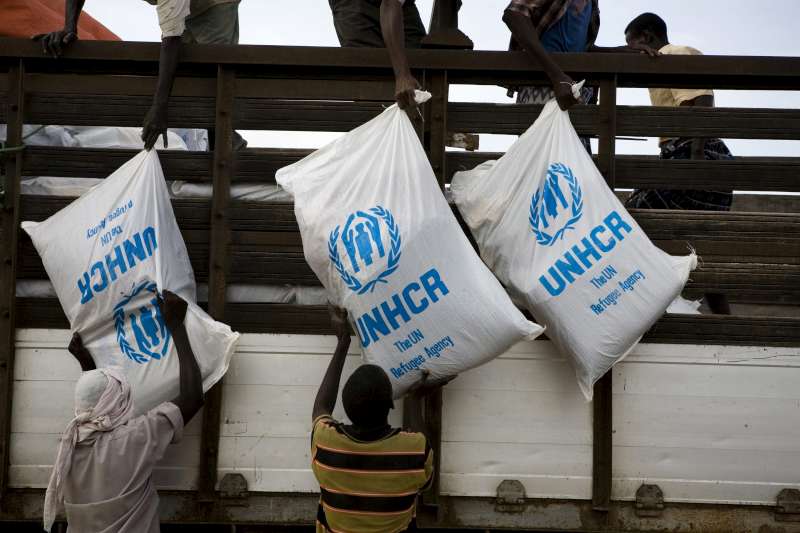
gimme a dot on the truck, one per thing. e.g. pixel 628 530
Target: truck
pixel 698 430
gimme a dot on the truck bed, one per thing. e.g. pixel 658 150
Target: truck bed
pixel 707 424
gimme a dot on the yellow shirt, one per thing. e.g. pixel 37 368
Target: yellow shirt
pixel 368 487
pixel 675 97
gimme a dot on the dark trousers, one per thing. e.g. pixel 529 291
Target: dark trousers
pixel 358 23
pixel 715 150
pixel 695 200
pixel 217 25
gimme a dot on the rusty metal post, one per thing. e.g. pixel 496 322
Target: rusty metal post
pixel 433 421
pixel 602 406
pixel 435 112
pixel 602 444
pixel 219 267
pixel 608 130
pixel 444 32
pixel 12 163
pixel 436 122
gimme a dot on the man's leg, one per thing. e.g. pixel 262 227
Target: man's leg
pixel 718 303
pixel 357 23
pixel 412 22
pixel 216 25
pixel 689 199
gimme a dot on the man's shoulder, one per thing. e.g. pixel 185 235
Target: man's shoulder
pixel 412 440
pixel 680 49
pixel 324 420
pixel 166 411
pixel 324 424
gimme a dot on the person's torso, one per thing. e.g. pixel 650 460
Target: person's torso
pixel 200 6
pixel 109 486
pixel 570 33
pixel 378 2
pixel 667 97
pixel 369 486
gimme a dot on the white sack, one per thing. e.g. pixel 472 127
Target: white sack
pixel 119 137
pixel 682 306
pixel 107 253
pixel 49 186
pixel 559 239
pixel 253 192
pixel 380 236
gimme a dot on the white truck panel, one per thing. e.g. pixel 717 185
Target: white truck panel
pixel 706 423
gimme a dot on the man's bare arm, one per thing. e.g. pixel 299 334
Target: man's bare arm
pixel 190 397
pixel 393 30
pixel 524 32
pixel 156 120
pixel 81 353
pixel 329 389
pixel 53 42
pixel 699 143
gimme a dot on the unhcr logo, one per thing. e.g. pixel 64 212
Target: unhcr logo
pixel 366 251
pixel 142 334
pixel 554 211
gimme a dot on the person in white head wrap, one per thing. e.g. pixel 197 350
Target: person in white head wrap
pixel 103 469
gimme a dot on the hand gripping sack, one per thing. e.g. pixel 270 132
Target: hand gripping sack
pixel 562 243
pixel 107 254
pixel 382 239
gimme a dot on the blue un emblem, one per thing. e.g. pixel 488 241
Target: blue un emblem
pixel 557 206
pixel 366 250
pixel 142 334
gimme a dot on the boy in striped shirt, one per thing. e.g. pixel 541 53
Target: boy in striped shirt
pixel 369 473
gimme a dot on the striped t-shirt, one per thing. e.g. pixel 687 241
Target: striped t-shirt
pixel 368 487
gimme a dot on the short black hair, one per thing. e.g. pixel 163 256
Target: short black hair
pixel 648 21
pixel 367 397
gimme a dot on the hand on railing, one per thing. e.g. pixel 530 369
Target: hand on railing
pixel 643 49
pixel 155 124
pixel 53 43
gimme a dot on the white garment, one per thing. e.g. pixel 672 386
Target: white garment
pixel 113 408
pixel 89 389
pixel 109 488
pixel 172 17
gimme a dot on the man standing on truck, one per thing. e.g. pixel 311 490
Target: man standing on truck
pixel 650 30
pixel 369 473
pixel 103 471
pixel 394 24
pixel 187 21
pixel 541 27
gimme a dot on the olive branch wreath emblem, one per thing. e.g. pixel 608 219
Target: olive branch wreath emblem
pixel 542 236
pixel 392 263
pixel 119 323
